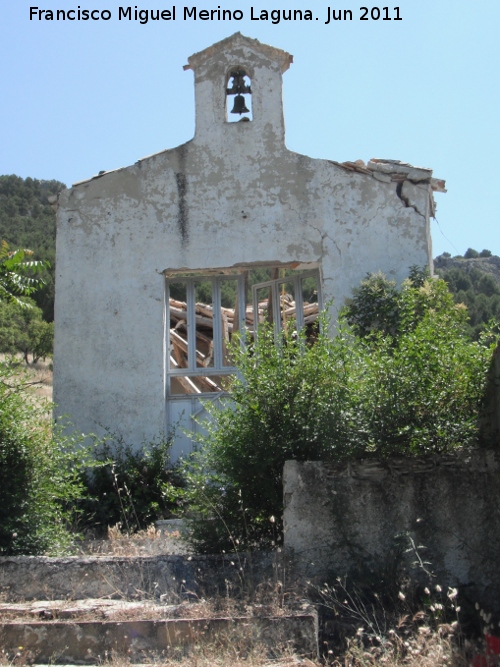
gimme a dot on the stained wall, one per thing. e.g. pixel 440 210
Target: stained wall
pixel 233 196
pixel 436 521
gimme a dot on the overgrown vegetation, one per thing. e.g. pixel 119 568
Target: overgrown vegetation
pixel 400 377
pixel 40 474
pixel 132 487
pixel 39 470
pixel 55 488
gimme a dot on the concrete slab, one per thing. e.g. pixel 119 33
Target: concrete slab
pixel 168 578
pixel 138 640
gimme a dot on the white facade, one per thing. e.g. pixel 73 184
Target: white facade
pixel 232 198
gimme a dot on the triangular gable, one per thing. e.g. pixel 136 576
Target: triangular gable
pixel 283 58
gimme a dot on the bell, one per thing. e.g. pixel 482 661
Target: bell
pixel 239 105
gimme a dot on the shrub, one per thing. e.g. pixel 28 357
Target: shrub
pixel 40 475
pixel 130 487
pixel 410 386
pixel 287 405
pixel 374 307
pixel 470 253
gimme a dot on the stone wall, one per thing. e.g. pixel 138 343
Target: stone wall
pixel 370 518
pixel 170 578
pixel 490 422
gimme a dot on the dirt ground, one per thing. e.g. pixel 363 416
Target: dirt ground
pixel 38 375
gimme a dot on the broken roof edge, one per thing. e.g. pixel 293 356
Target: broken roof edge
pixel 382 170
pixel 96 176
pixel 129 166
pixel 241 267
pixel 393 170
pixel 283 58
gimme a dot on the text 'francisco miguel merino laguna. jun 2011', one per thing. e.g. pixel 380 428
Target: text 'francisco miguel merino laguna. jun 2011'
pixel 327 15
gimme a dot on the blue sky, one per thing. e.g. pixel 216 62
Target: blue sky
pixel 80 97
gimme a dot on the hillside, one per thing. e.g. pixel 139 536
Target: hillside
pixel 488 265
pixel 27 220
pixel 473 279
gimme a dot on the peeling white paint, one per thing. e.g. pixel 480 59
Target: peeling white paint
pixel 232 196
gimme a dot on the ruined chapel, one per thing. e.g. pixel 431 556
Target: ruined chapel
pixel 161 262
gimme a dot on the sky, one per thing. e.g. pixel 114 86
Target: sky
pixel 78 97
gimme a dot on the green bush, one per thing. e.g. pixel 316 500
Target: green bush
pixel 53 486
pixel 411 385
pixel 40 475
pixel 273 414
pixel 130 486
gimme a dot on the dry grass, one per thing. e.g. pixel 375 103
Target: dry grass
pixel 423 648
pixel 394 628
pixel 213 656
pixel 210 655
pixel 41 375
pixel 38 376
pixel 149 542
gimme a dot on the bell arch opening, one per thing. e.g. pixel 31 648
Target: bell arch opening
pixel 238 96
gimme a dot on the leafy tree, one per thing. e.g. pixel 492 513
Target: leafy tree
pixel 410 385
pixel 487 285
pixel 23 330
pixel 21 326
pixel 485 253
pixel 18 276
pixel 470 253
pixel 374 307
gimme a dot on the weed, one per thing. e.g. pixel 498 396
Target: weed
pixel 132 486
pixel 40 473
pixel 148 542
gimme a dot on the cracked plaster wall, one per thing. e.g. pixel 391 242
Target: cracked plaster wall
pixel 232 196
pixel 361 519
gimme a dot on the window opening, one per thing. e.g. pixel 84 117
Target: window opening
pixel 204 312
pixel 204 316
pixel 289 303
pixel 238 96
